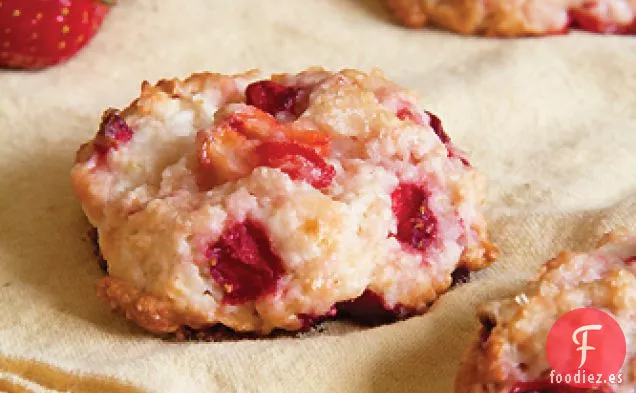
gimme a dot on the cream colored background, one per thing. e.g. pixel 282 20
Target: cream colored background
pixel 551 121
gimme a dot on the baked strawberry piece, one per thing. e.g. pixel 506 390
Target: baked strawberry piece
pixel 509 18
pixel 273 204
pixel 509 356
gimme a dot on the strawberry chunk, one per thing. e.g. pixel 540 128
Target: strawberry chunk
pixel 436 125
pixel 589 22
pixel 316 140
pixel 113 131
pixel 276 99
pixel 299 162
pixel 590 18
pixel 631 29
pixel 417 225
pixel 222 154
pixel 405 113
pixel 242 141
pixel 243 263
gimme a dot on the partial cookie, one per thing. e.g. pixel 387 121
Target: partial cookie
pixel 509 18
pixel 509 356
pixel 273 204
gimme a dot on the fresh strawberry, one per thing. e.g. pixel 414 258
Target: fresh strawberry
pixel 39 33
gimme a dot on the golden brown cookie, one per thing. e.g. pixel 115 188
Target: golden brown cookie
pixel 511 18
pixel 270 204
pixel 509 356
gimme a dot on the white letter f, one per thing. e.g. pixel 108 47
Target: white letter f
pixel 583 344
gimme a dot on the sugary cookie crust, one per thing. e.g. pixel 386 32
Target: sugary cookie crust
pixel 174 185
pixel 508 18
pixel 511 347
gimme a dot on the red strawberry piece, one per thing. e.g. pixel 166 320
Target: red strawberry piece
pixel 370 308
pixel 314 139
pixel 275 98
pixel 405 113
pixel 263 126
pixel 417 225
pixel 436 125
pixel 243 141
pixel 243 263
pixel 113 131
pixel 631 29
pixel 630 260
pixel 299 162
pixel 39 33
pixel 454 153
pixel 587 18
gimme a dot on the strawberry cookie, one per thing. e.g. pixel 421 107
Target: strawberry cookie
pixel 509 18
pixel 272 204
pixel 510 354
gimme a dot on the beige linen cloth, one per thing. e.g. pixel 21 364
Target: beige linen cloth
pixel 551 121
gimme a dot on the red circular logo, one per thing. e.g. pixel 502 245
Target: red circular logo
pixel 586 348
